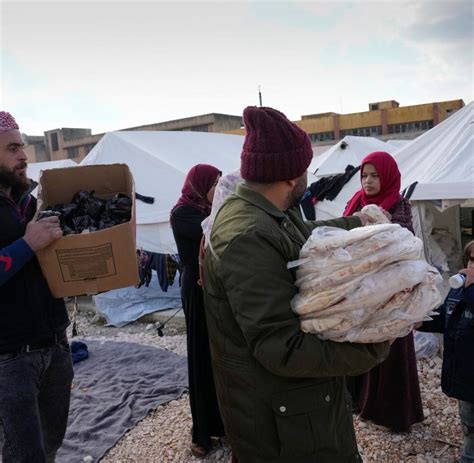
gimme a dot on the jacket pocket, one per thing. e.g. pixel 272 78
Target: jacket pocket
pixel 293 410
pixel 314 419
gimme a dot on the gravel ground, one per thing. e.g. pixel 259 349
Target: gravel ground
pixel 164 435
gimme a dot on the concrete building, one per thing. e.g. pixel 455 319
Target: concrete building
pixel 35 148
pixel 384 120
pixel 73 143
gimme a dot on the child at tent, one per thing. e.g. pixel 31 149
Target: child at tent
pixel 456 321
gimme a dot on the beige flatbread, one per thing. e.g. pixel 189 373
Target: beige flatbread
pixel 375 213
pixel 329 238
pixel 363 285
pixel 392 320
pixel 372 262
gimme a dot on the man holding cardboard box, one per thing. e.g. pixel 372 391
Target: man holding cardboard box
pixel 35 361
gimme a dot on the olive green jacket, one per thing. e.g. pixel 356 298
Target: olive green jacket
pixel 281 392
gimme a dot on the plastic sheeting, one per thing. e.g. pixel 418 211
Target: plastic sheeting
pixel 125 305
pixel 226 185
pixel 350 150
pixel 440 233
pixel 427 345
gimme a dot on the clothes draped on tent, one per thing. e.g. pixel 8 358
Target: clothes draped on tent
pixel 325 188
pixel 159 162
pixel 145 199
pixel 165 265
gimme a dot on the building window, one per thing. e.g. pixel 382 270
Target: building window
pixel 199 128
pixel 374 107
pixel 410 127
pixel 73 152
pixel 88 148
pixel 363 131
pixel 54 142
pixel 322 136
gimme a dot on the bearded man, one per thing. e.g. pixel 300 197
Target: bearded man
pixel 282 392
pixel 35 360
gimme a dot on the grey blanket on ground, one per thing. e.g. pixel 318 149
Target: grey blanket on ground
pixel 115 388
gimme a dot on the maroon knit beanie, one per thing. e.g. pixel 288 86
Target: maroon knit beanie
pixel 274 148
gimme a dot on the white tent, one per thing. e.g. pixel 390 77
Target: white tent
pixel 395 145
pixel 159 162
pixel 350 150
pixel 442 159
pixel 319 150
pixel 35 168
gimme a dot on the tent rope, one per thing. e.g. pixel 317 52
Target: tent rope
pixel 160 327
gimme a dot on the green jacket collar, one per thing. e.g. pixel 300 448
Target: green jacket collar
pixel 255 198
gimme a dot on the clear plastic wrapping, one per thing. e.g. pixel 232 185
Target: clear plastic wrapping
pixel 369 284
pixel 226 185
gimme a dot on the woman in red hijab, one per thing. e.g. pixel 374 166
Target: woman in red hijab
pixel 192 208
pixel 389 394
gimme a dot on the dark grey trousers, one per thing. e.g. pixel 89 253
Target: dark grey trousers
pixel 35 388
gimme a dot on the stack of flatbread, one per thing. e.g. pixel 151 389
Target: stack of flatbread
pixel 369 284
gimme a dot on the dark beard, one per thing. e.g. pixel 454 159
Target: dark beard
pixel 294 196
pixel 9 179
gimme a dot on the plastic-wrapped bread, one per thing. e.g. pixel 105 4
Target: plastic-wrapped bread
pixel 373 292
pixel 396 318
pixel 372 262
pixel 330 238
pixel 368 284
pixel 375 213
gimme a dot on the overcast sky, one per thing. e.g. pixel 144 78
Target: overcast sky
pixel 115 64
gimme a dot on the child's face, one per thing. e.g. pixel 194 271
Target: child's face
pixel 470 262
pixel 370 180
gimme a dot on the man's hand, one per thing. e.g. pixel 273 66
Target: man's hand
pixel 41 234
pixel 469 272
pixel 364 218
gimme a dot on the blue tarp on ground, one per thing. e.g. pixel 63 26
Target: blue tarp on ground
pixel 122 306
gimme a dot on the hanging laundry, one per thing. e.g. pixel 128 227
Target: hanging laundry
pixel 165 265
pixel 172 266
pixel 325 188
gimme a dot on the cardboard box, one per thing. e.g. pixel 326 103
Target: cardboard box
pixel 94 262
